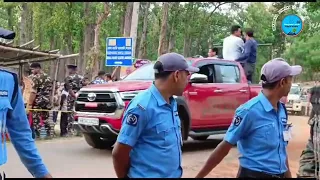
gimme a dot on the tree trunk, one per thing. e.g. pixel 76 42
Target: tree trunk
pixel 187 46
pixel 88 35
pixel 172 37
pixel 68 36
pixel 143 41
pixel 187 34
pixel 162 49
pixel 128 19
pixel 52 40
pixel 52 63
pixel 62 65
pixel 23 23
pixel 30 24
pixel 96 46
pixel 10 18
pixel 134 26
pixel 23 32
pixel 81 48
pixel 122 17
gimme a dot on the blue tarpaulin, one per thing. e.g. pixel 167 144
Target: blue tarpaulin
pixel 7 34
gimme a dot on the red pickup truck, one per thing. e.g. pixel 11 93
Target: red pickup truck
pixel 206 107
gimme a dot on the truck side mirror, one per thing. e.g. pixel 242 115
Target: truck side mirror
pixel 198 78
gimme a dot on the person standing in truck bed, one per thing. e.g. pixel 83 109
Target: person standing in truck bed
pixel 150 140
pixel 249 57
pixel 260 129
pixel 233 45
pixel 74 82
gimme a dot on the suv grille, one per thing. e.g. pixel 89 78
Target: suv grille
pixel 106 102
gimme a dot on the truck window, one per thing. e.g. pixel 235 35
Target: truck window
pixel 229 73
pixel 208 70
pixel 295 90
pixel 144 72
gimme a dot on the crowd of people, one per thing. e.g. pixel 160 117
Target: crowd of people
pixel 39 105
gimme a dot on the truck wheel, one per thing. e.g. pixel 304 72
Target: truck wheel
pixel 95 141
pixel 200 138
pixel 184 119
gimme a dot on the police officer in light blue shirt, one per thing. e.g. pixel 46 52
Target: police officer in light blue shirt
pixel 13 118
pixel 260 128
pixel 149 142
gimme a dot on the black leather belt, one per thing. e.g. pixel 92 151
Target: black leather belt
pixel 247 173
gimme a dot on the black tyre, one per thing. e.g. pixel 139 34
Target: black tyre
pixel 200 138
pixel 184 119
pixel 95 141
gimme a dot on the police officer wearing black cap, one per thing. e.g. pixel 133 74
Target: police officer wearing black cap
pixel 149 142
pixel 73 83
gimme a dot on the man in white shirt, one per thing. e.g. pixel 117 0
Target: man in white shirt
pixel 233 45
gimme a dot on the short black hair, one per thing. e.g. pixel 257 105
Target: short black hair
pixel 214 50
pixel 235 28
pixel 101 73
pixel 35 65
pixel 65 86
pixel 108 75
pixel 270 85
pixel 249 32
pixel 160 74
pixel 267 85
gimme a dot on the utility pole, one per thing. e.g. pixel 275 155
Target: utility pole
pixel 134 25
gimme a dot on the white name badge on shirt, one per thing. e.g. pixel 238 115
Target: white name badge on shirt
pixel 287 134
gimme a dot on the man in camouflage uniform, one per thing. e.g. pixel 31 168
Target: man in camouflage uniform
pixel 74 82
pixel 310 157
pixel 40 98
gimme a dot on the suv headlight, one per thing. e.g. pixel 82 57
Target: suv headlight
pixel 129 94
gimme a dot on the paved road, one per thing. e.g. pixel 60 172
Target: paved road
pixel 74 158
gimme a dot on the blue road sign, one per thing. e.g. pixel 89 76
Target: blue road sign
pixel 119 51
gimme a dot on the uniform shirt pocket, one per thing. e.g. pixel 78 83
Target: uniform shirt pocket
pixel 166 133
pixel 267 135
pixel 5 106
pixel 178 129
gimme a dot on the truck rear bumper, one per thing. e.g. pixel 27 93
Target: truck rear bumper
pixel 295 107
pixel 104 129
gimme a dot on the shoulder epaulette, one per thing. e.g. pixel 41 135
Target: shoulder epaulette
pixel 9 70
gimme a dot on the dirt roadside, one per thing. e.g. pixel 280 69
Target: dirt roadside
pixel 194 158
